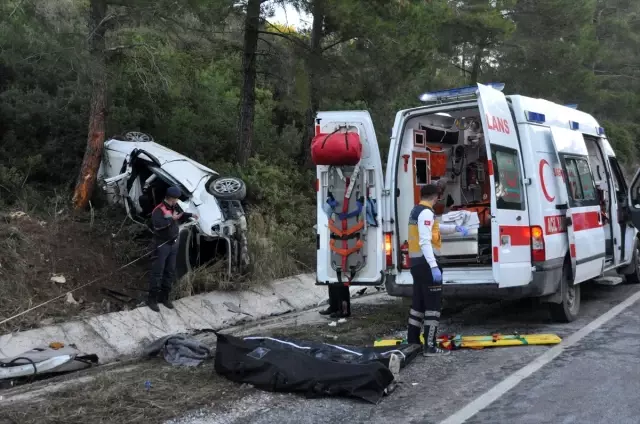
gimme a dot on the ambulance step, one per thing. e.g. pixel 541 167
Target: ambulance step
pixel 609 281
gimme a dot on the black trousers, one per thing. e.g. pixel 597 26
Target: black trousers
pixel 339 298
pixel 163 270
pixel 426 304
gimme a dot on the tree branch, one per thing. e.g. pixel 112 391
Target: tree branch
pixel 123 47
pixel 332 45
pixel 461 68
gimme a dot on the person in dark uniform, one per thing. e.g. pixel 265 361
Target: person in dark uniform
pixel 424 242
pixel 165 218
pixel 339 302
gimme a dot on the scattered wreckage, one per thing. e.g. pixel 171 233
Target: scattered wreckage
pixel 136 172
pixel 44 361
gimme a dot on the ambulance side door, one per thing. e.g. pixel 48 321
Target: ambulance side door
pixel 373 177
pixel 584 220
pixel 510 232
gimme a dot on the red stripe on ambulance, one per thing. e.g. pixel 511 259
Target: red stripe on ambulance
pixel 520 235
pixel 586 221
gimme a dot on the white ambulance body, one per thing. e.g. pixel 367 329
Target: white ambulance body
pixel 559 210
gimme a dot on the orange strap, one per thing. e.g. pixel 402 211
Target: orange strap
pixel 346 252
pixel 349 231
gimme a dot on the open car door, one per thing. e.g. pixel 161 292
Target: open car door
pixel 510 232
pixel 350 241
pixel 584 221
pixel 634 199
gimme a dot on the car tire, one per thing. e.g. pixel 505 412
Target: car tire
pixel 137 137
pixel 569 307
pixel 183 260
pixel 634 277
pixel 228 188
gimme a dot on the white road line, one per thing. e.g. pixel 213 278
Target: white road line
pixel 497 391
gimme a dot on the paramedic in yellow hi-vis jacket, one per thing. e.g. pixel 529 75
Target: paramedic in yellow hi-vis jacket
pixel 424 244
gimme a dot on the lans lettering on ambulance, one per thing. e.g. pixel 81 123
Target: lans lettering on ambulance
pixel 536 183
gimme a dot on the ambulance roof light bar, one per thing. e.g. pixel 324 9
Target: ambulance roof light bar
pixel 538 118
pixel 572 105
pixel 453 94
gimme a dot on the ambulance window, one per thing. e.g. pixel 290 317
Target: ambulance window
pixel 506 168
pixel 580 185
pixel 422 175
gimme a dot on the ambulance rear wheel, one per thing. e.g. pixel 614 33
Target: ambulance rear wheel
pixel 569 307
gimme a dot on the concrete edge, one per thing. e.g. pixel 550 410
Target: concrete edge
pixel 124 334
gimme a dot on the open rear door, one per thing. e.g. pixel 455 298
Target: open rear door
pixel 584 221
pixel 510 232
pixel 365 181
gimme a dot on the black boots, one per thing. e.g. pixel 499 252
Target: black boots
pixel 162 297
pixel 152 301
pixel 431 344
pixel 344 311
pixel 339 302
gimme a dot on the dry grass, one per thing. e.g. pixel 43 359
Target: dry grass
pixel 123 397
pixel 367 323
pixel 34 247
pixel 275 251
pixel 85 247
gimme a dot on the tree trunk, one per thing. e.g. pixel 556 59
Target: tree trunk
pixel 248 94
pixel 477 62
pixel 98 74
pixel 313 60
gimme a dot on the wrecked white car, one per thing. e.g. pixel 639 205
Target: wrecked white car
pixel 135 172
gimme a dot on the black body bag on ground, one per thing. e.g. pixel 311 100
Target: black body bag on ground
pixel 314 369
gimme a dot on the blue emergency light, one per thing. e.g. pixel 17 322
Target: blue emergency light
pixel 572 105
pixel 454 93
pixel 536 117
pixel 575 125
pixel 600 131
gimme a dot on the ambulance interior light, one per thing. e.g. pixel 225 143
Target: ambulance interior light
pixel 455 93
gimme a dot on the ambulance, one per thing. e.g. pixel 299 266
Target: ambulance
pixel 540 179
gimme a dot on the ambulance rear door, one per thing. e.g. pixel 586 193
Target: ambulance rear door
pixel 369 263
pixel 584 221
pixel 510 232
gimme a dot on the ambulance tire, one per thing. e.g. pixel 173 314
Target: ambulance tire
pixel 634 277
pixel 569 307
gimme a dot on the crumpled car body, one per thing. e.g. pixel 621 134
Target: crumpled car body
pixel 135 173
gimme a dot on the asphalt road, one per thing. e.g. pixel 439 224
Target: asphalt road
pixel 596 378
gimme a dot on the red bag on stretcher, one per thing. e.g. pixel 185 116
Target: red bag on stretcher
pixel 337 149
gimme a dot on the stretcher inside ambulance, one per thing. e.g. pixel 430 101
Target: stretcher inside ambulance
pixel 536 184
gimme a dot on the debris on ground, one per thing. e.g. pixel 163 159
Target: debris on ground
pixel 56 358
pixel 58 279
pixel 179 349
pixel 70 299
